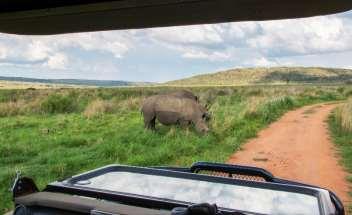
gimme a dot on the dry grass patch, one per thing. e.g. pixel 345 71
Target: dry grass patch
pixel 131 103
pixel 11 108
pixel 343 115
pixel 253 104
pixel 98 107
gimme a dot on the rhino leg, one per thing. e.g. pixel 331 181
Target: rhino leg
pixel 149 118
pixel 149 122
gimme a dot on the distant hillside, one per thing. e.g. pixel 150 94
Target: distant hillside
pixel 275 75
pixel 98 83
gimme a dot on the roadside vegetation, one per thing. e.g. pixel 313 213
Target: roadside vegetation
pixel 341 129
pixel 51 134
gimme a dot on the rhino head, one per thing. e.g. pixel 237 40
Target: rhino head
pixel 201 122
pixel 201 126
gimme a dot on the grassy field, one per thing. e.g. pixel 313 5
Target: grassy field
pixel 51 134
pixel 341 129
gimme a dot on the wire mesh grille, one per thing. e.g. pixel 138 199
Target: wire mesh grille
pixel 234 176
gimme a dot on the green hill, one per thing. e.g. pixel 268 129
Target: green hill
pixel 275 75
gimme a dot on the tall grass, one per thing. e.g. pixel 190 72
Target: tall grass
pixel 341 128
pixel 98 107
pixel 343 117
pixel 57 103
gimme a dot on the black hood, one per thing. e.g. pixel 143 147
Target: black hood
pixel 41 17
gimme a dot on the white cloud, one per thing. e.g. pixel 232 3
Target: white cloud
pixel 53 51
pixel 270 38
pixel 188 35
pixel 195 42
pixel 304 36
pixel 263 62
pixel 241 30
pixel 114 42
pixel 35 50
pixel 57 61
pixel 213 56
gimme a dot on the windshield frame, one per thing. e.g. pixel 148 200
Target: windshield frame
pixel 69 186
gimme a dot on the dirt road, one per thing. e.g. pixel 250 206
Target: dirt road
pixel 298 147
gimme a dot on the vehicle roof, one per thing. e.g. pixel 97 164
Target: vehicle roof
pixel 45 17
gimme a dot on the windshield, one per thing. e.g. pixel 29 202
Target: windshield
pixel 250 199
pixel 269 94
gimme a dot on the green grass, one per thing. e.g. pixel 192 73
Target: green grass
pixel 343 140
pixel 49 140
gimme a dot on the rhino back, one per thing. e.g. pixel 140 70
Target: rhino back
pixel 187 108
pixel 184 94
pixel 149 103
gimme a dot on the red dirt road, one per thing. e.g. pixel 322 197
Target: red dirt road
pixel 298 147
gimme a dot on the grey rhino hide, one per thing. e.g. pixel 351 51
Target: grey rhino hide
pixel 190 95
pixel 183 94
pixel 172 110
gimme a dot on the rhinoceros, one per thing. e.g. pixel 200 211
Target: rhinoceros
pixel 174 110
pixel 189 95
pixel 183 94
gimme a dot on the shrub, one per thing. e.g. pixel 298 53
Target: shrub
pixel 348 93
pixel 328 96
pixel 341 90
pixel 56 103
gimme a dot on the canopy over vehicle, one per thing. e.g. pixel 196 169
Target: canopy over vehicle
pixel 67 16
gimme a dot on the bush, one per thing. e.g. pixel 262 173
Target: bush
pixel 57 103
pixel 341 90
pixel 348 93
pixel 328 96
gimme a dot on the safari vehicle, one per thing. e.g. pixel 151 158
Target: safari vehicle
pixel 118 189
pixel 203 188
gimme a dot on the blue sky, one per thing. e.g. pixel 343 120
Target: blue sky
pixel 162 54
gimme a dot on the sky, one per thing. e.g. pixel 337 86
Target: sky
pixel 163 54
